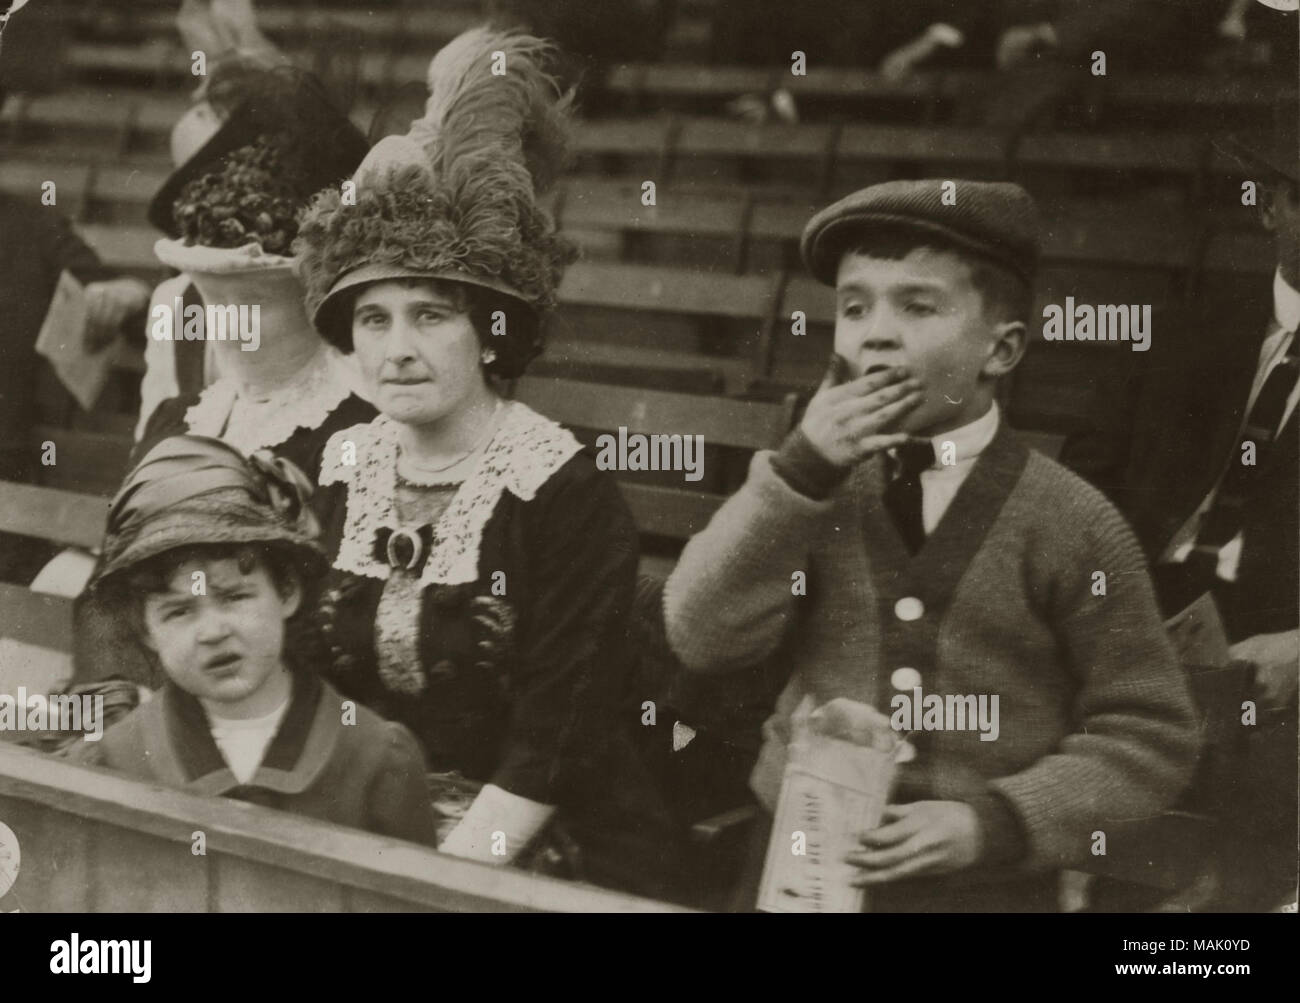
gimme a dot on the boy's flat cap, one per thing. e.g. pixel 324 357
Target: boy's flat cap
pixel 996 220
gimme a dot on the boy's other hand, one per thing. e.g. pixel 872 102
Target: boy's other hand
pixel 846 422
pixel 925 837
pixel 108 304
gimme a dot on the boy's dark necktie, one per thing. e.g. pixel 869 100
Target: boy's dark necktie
pixel 902 495
pixel 1223 521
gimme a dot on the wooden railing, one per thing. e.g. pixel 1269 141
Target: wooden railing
pixel 92 841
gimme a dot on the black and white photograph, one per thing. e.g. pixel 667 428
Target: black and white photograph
pixel 647 456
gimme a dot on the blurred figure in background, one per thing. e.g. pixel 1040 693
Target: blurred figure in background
pixel 240 60
pixel 1169 447
pixel 37 244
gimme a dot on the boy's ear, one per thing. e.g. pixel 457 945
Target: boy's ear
pixel 1010 342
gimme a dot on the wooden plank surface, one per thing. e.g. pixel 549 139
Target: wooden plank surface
pixel 667 290
pixel 85 462
pixel 51 514
pixel 671 512
pixel 44 621
pixel 293 844
pixel 55 869
pixel 722 421
pixel 136 872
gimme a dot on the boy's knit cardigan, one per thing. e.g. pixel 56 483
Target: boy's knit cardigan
pixel 1096 721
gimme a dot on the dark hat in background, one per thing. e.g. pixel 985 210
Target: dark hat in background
pixel 1274 151
pixel 996 220
pixel 289 105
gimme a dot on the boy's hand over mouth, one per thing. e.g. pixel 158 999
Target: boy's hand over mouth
pixel 924 837
pixel 848 422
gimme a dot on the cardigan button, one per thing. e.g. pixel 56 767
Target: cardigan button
pixel 909 608
pixel 905 679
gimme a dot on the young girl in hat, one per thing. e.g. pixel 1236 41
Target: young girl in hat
pixel 210 557
pixel 486 567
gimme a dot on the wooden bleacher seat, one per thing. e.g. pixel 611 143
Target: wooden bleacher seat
pixel 86 462
pixel 870 153
pixel 662 316
pixel 129 248
pixel 1164 100
pixel 664 506
pixel 685 228
pixel 36 629
pixel 719 148
pixel 1117 158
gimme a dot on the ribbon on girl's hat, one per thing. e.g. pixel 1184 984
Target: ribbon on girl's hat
pixel 288 490
pixel 182 467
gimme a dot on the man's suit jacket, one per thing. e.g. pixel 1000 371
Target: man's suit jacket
pixel 1158 439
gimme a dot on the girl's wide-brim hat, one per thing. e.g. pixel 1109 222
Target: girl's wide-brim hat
pixel 456 199
pixel 283 101
pixel 193 490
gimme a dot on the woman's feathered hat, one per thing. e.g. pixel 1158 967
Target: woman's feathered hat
pixel 456 198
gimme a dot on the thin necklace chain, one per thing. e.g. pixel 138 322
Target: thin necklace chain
pixel 410 465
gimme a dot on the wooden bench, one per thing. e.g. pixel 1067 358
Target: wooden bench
pixel 1163 99
pixel 660 507
pixel 94 841
pixel 673 317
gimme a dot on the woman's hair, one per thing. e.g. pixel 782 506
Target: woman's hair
pixel 254 196
pixel 488 310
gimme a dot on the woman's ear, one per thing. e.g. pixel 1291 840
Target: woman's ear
pixel 1007 349
pixel 138 623
pixel 291 595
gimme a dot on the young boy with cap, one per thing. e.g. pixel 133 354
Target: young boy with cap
pixel 209 556
pixel 941 556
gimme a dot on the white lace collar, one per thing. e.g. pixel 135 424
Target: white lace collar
pixel 523 454
pixel 323 385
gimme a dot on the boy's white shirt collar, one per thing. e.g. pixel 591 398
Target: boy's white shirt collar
pixel 940 482
pixel 1286 303
pixel 968 440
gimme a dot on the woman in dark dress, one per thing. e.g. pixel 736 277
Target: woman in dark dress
pixel 486 568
